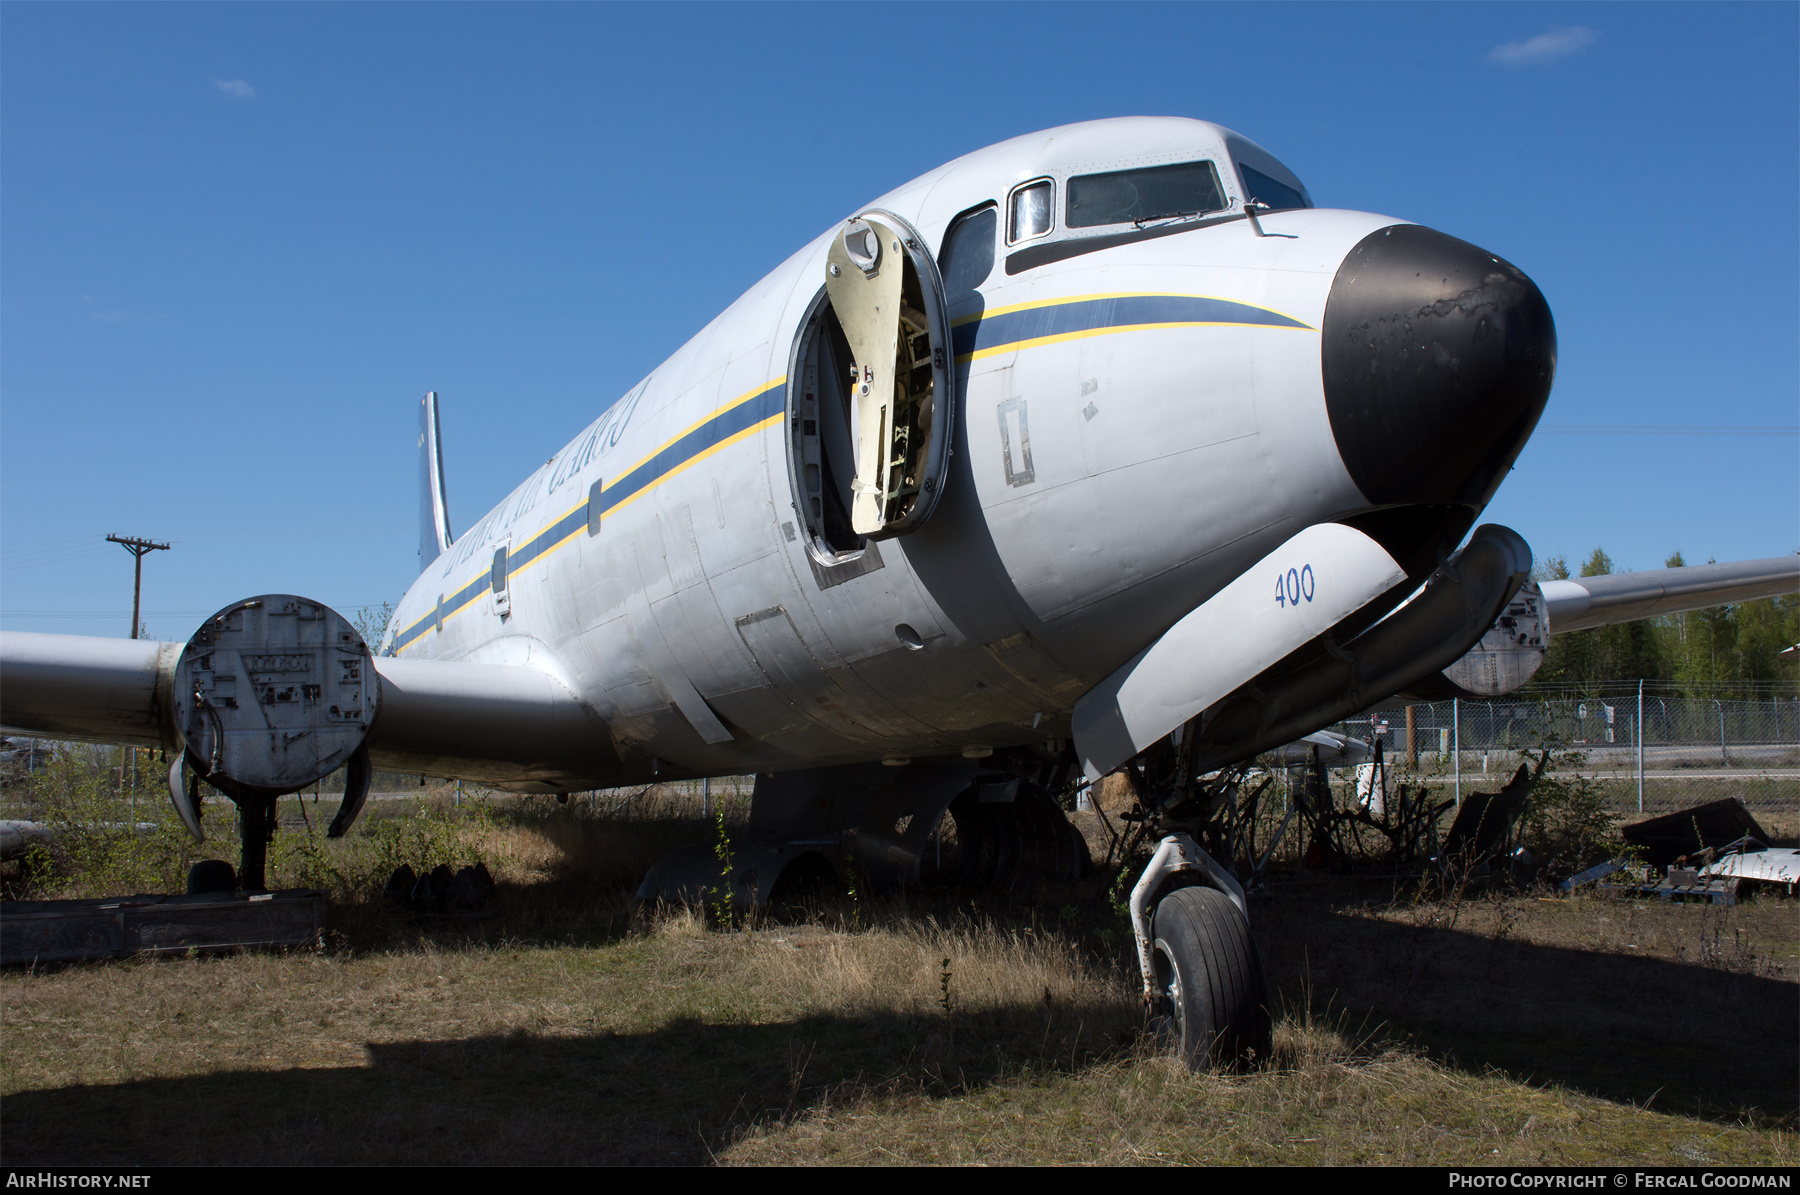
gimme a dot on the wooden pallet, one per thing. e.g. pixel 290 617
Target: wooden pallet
pixel 1713 890
pixel 47 931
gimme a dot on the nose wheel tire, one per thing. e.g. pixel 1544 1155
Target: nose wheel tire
pixel 1212 1003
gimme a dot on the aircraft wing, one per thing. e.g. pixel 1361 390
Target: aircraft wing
pixel 85 687
pixel 506 724
pixel 1588 602
pixel 1509 654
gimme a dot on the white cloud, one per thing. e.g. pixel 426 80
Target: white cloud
pixel 237 89
pixel 1545 47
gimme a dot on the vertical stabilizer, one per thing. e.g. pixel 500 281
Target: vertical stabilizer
pixel 434 509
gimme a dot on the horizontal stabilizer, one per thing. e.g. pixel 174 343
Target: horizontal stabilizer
pixel 1292 596
pixel 1587 602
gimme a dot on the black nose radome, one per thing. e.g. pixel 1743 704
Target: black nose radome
pixel 1437 359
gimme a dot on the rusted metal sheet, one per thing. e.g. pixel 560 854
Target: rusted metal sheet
pixel 1485 820
pixel 1716 824
pixel 46 931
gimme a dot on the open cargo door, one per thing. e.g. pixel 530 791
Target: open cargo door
pixel 875 402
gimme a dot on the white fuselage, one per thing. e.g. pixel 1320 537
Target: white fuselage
pixel 1167 452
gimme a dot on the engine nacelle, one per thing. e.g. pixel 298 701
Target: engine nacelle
pixel 272 694
pixel 1510 653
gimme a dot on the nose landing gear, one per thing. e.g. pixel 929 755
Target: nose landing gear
pixel 1208 1000
pixel 1204 989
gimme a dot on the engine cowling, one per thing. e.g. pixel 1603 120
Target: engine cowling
pixel 273 693
pixel 1508 655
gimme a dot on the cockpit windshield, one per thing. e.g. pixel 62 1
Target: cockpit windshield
pixel 1152 193
pixel 1265 190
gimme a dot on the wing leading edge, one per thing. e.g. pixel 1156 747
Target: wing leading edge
pixel 1588 602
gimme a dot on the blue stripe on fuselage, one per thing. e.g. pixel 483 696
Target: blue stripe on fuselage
pixel 747 414
pixel 1084 315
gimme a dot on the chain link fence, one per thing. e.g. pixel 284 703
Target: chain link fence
pixel 1653 753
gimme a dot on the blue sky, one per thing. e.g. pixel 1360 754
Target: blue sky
pixel 238 241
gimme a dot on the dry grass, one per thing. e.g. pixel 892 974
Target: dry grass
pixel 571 1028
pixel 662 1046
pixel 1332 1098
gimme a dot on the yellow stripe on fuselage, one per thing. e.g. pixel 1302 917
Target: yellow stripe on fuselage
pixel 1064 300
pixel 1039 341
pixel 647 457
pixel 691 461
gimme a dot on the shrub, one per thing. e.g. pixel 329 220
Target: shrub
pixel 1566 825
pixel 105 839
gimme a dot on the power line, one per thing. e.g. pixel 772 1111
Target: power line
pixel 1668 429
pixel 66 550
pixel 155 613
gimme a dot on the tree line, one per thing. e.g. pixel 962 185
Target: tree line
pixel 1722 652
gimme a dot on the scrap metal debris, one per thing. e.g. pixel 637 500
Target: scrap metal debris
pixel 1750 861
pixel 1713 852
pixel 1596 872
pixel 1684 834
pixel 1484 822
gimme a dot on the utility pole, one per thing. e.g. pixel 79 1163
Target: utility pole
pixel 137 548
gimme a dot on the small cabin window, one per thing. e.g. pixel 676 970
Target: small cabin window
pixel 1276 196
pixel 593 511
pixel 1029 215
pixel 1153 193
pixel 968 256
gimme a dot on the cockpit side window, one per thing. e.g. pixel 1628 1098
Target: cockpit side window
pixel 1029 214
pixel 1152 193
pixel 1265 190
pixel 968 256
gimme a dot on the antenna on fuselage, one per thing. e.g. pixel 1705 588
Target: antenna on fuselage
pixel 434 507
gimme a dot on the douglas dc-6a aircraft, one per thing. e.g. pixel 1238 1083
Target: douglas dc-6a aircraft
pixel 1099 446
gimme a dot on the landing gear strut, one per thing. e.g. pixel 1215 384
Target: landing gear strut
pixel 1204 989
pixel 256 830
pixel 1209 1002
